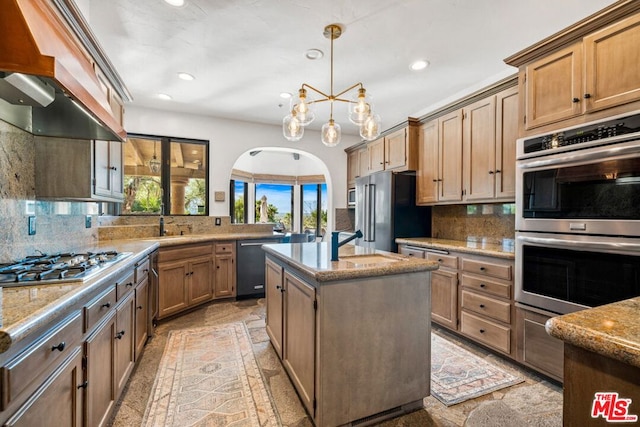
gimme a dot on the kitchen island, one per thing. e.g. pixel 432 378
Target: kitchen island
pixel 354 335
pixel 601 363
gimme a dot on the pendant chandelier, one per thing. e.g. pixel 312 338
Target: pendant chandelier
pixel 154 163
pixel 302 107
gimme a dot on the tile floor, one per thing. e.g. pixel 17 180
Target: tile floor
pixel 535 402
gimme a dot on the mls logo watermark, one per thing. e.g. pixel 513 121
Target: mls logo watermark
pixel 612 408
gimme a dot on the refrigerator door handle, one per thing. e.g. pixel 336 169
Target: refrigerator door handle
pixel 372 213
pixel 366 213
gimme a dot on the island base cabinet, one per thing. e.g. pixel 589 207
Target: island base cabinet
pixel 587 373
pixel 274 296
pixel 59 400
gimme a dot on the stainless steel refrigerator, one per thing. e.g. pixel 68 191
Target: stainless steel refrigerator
pixel 386 209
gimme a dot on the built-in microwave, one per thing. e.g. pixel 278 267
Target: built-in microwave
pixel 351 198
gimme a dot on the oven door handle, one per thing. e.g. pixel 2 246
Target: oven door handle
pixel 592 246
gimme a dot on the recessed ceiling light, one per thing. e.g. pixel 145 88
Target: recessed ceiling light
pixel 186 76
pixel 313 54
pixel 176 3
pixel 285 95
pixel 419 65
pixel 164 96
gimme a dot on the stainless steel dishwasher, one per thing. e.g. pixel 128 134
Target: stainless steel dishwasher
pixel 250 266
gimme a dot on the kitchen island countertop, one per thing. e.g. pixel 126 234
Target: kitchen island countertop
pixel 314 260
pixel 611 330
pixel 472 246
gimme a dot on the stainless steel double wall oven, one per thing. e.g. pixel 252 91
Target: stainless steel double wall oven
pixel 578 215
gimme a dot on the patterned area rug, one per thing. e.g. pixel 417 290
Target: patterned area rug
pixel 458 375
pixel 209 377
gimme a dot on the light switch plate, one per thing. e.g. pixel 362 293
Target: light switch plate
pixel 32 225
pixel 218 221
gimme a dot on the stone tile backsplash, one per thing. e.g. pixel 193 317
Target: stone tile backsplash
pixel 493 223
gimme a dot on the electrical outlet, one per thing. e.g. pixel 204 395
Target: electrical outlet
pixel 32 225
pixel 87 221
pixel 218 221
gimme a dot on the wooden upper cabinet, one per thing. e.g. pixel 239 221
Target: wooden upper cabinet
pixel 479 136
pixel 427 175
pixel 553 87
pixel 396 149
pixel 363 162
pixel 450 156
pixel 375 150
pixel 612 65
pixel 353 168
pixel 506 136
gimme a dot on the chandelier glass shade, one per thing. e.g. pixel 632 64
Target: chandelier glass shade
pixel 154 163
pixel 301 111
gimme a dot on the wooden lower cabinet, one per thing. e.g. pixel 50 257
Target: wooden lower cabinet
pixel 142 314
pixel 300 332
pixel 444 298
pixel 536 348
pixel 224 283
pixel 124 341
pixel 100 392
pixel 199 281
pixel 58 401
pixel 274 297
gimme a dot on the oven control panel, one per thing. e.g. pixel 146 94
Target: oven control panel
pixel 594 132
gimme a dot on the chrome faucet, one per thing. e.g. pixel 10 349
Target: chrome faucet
pixel 335 244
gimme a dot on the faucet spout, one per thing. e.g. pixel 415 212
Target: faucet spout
pixel 336 243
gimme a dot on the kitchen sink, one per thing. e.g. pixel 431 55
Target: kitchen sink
pixel 369 259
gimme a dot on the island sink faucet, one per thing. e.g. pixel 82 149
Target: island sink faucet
pixel 335 244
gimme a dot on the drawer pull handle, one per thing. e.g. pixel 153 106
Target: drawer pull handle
pixel 130 284
pixel 119 335
pixel 482 331
pixel 59 347
pixel 482 269
pixel 83 385
pixel 139 307
pixel 106 305
pixel 482 285
pixel 439 259
pixel 481 305
pixel 575 100
pixel 278 287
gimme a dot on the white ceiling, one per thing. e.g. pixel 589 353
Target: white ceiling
pixel 244 53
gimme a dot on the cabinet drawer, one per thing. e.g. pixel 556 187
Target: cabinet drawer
pixel 487 285
pixel 54 346
pixel 224 247
pixel 486 332
pixel 501 271
pixel 498 310
pixel 96 309
pixel 142 270
pixel 449 261
pixel 184 252
pixel 411 252
pixel 125 285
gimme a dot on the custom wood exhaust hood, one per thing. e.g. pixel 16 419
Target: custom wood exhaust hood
pixel 55 80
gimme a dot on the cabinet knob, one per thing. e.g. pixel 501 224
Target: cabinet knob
pixel 439 259
pixel 587 95
pixel 497 170
pixel 482 285
pixel 435 180
pixel 139 307
pixel 113 168
pixel 59 347
pixel 482 331
pixel 481 305
pixel 120 334
pixel 490 172
pixel 130 284
pixel 575 100
pixel 83 385
pixel 106 305
pixel 482 269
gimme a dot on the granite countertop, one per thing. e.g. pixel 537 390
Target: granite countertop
pixel 25 309
pixel 478 246
pixel 203 238
pixel 314 259
pixel 611 330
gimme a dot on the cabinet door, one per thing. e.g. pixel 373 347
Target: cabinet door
pixel 100 376
pixel 116 168
pixel 427 175
pixel 353 168
pixel 376 155
pixel 59 400
pixel 201 280
pixel 444 298
pixel 395 148
pixel 506 135
pixel 450 151
pixel 363 161
pixel 479 136
pixel 142 316
pixel 300 337
pixel 125 341
pixel 101 168
pixel 173 291
pixel 612 56
pixel 273 294
pixel 554 87
pixel 225 276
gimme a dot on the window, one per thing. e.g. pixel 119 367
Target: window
pixel 152 188
pixel 239 195
pixel 314 208
pixel 278 203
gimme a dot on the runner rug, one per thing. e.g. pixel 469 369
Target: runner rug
pixel 209 377
pixel 458 375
